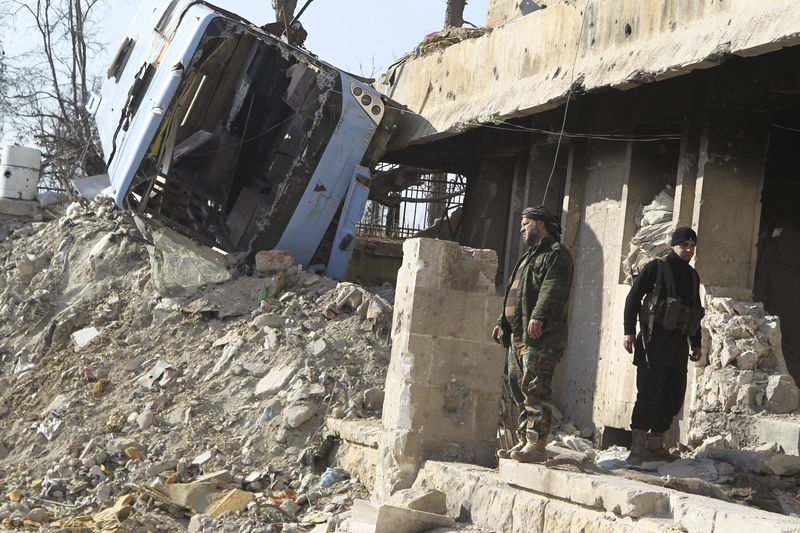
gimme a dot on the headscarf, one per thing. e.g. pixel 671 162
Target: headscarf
pixel 551 222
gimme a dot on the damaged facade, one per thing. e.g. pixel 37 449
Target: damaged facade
pixel 698 98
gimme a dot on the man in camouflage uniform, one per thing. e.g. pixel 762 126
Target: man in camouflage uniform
pixel 533 326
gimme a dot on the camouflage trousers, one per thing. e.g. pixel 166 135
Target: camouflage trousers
pixel 530 375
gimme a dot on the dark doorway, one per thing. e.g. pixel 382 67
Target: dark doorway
pixel 778 267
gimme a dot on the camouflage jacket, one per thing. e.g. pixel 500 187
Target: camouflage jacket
pixel 543 294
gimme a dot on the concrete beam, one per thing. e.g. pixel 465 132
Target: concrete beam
pixel 525 66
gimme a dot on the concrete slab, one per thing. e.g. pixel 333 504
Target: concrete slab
pixel 369 518
pixel 617 495
pixel 784 431
pixel 573 501
pixel 18 208
pixel 362 432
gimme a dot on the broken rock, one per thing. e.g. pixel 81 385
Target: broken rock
pixel 373 399
pixel 421 499
pixel 268 261
pixel 275 380
pixel 782 394
pixel 296 415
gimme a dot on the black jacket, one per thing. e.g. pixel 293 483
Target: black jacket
pixel 666 348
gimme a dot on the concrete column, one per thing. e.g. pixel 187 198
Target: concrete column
pixel 444 381
pixel 727 208
pixel 574 192
pixel 685 183
pixel 487 198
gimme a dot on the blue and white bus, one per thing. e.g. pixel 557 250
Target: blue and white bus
pixel 227 134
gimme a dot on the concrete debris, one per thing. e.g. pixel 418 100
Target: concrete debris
pixel 392 519
pixel 781 394
pixel 654 226
pixel 421 499
pixel 742 372
pixel 181 267
pixel 224 386
pixel 268 261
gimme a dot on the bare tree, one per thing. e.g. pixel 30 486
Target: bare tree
pixel 50 86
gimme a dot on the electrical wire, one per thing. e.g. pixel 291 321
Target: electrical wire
pixel 569 97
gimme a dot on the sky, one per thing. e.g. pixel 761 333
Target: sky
pixel 359 36
pixel 363 37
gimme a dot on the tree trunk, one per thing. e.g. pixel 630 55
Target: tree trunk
pixel 454 16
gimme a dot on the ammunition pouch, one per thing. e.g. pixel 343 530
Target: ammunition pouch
pixel 669 312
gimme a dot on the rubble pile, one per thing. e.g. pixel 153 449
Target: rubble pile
pixel 743 372
pixel 121 408
pixel 654 227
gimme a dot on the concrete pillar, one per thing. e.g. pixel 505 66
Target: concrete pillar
pixel 486 199
pixel 444 382
pixel 727 208
pixel 685 183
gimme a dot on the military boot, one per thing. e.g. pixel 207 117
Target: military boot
pixel 533 451
pixel 638 447
pixel 506 454
pixel 655 451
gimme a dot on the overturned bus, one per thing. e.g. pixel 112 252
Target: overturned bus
pixel 230 136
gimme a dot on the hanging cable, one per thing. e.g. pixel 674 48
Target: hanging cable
pixel 569 97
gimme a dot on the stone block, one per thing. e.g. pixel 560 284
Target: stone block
pixel 319 348
pixel 181 267
pixel 295 415
pixel 782 394
pixel 784 432
pixel 783 465
pixel 373 399
pixel 18 208
pixel 268 320
pixel 421 499
pixel 368 518
pixel 363 432
pixel 276 379
pixel 268 261
pixel 619 496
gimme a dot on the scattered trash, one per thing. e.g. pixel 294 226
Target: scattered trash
pixel 332 476
pixel 84 336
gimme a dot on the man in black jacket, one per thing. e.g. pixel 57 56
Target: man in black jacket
pixel 669 321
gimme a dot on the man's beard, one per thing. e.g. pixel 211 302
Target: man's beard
pixel 532 238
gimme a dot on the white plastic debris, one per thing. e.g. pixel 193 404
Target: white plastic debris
pixel 84 336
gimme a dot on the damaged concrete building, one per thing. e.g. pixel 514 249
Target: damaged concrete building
pixel 604 105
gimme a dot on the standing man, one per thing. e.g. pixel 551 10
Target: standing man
pixel 533 326
pixel 669 321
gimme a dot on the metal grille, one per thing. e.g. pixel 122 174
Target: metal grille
pixel 437 196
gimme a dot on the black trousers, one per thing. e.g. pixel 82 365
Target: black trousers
pixel 659 396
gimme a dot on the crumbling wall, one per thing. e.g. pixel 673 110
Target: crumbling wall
pixel 519 68
pixel 743 372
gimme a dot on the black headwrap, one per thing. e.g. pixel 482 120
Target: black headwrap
pixel 683 234
pixel 551 222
